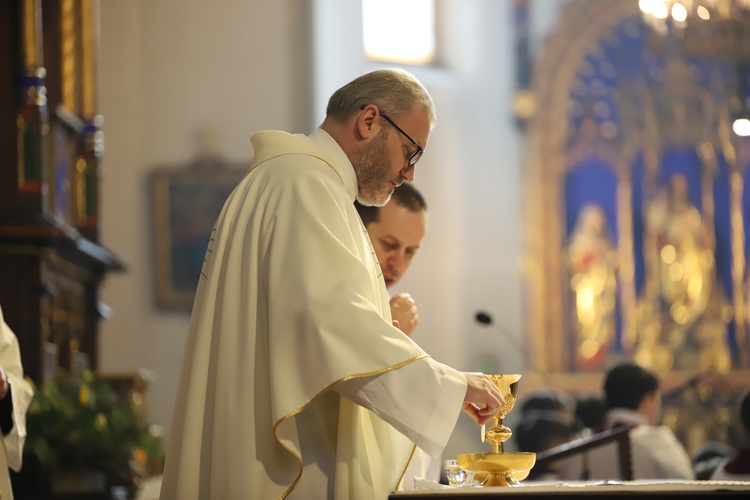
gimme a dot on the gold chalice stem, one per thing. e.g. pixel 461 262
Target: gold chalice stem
pixel 491 435
pixel 497 445
pixel 498 434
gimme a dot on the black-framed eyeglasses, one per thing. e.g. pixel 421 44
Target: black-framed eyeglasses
pixel 416 155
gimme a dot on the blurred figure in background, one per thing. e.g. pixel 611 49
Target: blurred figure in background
pixel 737 468
pixel 590 410
pixel 541 430
pixel 633 398
pixel 546 421
pixel 15 397
pixel 547 399
pixel 709 457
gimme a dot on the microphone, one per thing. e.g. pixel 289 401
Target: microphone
pixel 485 318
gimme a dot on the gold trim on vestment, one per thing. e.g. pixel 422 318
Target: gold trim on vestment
pixel 318 395
pixel 408 462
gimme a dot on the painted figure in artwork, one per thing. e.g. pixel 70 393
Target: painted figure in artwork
pixel 592 262
pixel 683 268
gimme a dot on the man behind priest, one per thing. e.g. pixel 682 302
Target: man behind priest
pixel 396 231
pixel 295 383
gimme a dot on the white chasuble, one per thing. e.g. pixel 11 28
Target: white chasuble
pixel 21 395
pixel 291 311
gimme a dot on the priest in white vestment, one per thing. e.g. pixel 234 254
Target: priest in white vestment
pixel 295 383
pixel 15 397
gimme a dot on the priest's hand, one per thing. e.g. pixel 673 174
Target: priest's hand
pixel 483 400
pixel 404 310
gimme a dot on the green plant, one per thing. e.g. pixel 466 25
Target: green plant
pixel 79 423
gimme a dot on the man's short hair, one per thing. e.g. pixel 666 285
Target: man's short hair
pixel 547 399
pixel 627 384
pixel 395 91
pixel 590 409
pixel 541 430
pixel 405 195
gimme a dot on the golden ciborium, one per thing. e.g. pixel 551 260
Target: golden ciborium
pixel 499 468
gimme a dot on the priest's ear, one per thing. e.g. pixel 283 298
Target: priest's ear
pixel 367 122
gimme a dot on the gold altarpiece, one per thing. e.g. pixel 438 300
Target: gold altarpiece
pixel 636 212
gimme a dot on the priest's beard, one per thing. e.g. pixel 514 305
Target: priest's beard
pixel 373 170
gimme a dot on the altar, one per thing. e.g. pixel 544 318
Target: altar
pixel 574 489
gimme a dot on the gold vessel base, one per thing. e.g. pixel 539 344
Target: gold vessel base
pixel 498 469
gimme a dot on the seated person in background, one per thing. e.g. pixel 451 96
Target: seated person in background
pixel 709 457
pixel 737 468
pixel 633 397
pixel 590 409
pixel 396 231
pixel 540 430
pixel 15 398
pixel 547 399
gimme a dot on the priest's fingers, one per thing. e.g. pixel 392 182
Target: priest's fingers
pixel 396 324
pixel 472 411
pixel 482 392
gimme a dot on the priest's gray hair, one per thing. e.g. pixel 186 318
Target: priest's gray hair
pixel 395 91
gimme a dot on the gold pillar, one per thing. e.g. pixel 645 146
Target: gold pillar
pixel 737 235
pixel 625 255
pixel 32 35
pixel 89 37
pixel 69 87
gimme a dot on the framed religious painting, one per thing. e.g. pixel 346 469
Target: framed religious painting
pixel 187 201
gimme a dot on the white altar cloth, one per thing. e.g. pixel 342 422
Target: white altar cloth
pixel 536 487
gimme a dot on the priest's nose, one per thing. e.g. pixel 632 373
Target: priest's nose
pixel 408 173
